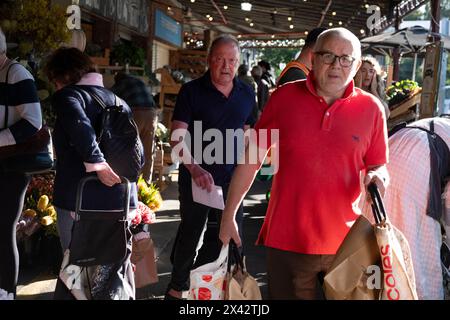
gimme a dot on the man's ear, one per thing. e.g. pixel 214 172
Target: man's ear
pixel 313 58
pixel 359 64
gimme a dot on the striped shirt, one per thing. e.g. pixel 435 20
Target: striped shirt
pixel 24 109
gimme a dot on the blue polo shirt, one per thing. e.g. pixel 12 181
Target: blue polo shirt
pixel 201 103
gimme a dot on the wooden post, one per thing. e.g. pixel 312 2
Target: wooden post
pixel 435 18
pixel 396 51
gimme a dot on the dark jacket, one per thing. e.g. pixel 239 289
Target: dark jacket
pixel 78 118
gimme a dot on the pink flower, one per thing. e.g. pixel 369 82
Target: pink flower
pixel 147 215
pixel 137 219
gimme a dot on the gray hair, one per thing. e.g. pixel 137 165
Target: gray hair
pixel 341 33
pixel 223 38
pixel 2 42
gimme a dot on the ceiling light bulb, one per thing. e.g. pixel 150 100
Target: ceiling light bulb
pixel 330 24
pixel 210 18
pixel 340 23
pixel 192 1
pixel 289 18
pixel 291 26
pixel 333 13
pixel 246 6
pixel 273 36
pixel 225 7
pixel 362 31
pixel 251 24
pixel 306 32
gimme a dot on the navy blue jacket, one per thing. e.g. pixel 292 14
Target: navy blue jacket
pixel 78 118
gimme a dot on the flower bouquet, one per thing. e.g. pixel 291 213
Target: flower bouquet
pixel 143 252
pixel 36 231
pixel 38 211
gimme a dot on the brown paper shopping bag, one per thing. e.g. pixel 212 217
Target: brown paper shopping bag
pixel 347 277
pixel 240 285
pixel 379 246
pixel 143 257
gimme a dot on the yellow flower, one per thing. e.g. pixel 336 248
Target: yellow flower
pixel 50 211
pixel 46 221
pixel 43 203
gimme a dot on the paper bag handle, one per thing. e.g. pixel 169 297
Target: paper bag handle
pixel 378 210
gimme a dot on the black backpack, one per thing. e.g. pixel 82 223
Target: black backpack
pixel 118 139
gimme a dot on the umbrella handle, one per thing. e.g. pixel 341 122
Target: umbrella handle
pixel 377 204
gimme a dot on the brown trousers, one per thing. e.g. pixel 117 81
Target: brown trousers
pixel 147 121
pixel 295 276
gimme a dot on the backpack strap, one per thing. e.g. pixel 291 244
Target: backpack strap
pixel 294 64
pixel 439 168
pixel 100 101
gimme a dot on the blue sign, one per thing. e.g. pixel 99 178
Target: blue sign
pixel 167 29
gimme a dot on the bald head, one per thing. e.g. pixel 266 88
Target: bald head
pixel 339 33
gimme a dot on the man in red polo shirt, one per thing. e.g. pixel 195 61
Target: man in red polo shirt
pixel 329 133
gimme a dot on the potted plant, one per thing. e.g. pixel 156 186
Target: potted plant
pixel 400 91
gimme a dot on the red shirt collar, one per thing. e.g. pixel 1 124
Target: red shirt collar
pixel 349 91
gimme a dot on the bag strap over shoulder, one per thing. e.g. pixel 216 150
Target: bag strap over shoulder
pixel 101 102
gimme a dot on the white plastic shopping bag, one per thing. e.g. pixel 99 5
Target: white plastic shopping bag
pixel 208 280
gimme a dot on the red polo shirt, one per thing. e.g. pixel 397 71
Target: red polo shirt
pixel 322 150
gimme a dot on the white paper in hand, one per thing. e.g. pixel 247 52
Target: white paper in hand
pixel 212 199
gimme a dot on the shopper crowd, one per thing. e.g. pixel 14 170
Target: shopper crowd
pixel 327 140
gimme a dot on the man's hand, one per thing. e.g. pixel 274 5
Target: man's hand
pixel 229 230
pixel 374 86
pixel 107 176
pixel 358 79
pixel 379 176
pixel 201 177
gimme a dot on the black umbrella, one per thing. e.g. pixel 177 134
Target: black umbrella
pixel 411 40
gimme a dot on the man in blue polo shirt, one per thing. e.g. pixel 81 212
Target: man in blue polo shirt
pixel 219 101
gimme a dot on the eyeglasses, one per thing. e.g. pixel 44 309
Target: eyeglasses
pixel 330 58
pixel 221 60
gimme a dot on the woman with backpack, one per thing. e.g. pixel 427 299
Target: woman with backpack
pixel 79 117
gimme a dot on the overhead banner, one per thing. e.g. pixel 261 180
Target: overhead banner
pixel 167 29
pixel 131 13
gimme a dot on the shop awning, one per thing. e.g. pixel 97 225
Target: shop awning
pixel 288 19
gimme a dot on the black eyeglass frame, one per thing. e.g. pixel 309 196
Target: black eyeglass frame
pixel 340 58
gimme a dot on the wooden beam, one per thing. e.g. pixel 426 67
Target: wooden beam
pixel 220 12
pixel 324 13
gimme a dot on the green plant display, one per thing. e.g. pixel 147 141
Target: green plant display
pixel 400 90
pixel 127 52
pixel 36 26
